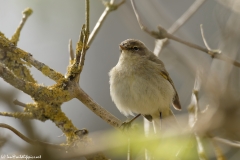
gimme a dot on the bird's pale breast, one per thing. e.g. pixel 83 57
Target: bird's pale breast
pixel 143 92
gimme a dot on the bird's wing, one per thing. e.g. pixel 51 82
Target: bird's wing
pixel 164 73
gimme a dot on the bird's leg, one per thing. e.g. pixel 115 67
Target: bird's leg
pixel 127 124
pixel 160 120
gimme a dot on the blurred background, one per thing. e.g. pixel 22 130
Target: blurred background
pixel 53 23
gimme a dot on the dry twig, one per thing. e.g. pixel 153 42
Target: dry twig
pixel 193 110
pixel 110 6
pixel 48 100
pixel 162 34
pixel 177 24
pixel 26 13
pixel 28 140
pixel 70 50
pixel 228 142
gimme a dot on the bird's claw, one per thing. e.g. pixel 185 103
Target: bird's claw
pixel 126 125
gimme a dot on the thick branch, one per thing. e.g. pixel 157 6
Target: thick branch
pixel 35 90
pixel 7 47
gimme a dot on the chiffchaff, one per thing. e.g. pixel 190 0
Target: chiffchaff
pixel 139 83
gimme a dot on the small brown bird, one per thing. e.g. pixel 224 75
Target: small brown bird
pixel 140 84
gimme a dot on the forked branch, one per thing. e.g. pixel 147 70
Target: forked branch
pixel 163 33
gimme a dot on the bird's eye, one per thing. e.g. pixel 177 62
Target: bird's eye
pixel 136 48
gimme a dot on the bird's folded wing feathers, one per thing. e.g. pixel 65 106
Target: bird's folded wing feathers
pixel 164 73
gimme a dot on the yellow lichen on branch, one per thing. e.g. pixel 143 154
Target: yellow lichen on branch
pixel 26 13
pixel 11 57
pixel 47 100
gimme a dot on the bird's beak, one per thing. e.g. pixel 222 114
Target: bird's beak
pixel 121 47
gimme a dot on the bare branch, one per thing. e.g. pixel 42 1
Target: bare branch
pixel 139 20
pixel 162 34
pixel 203 37
pixel 16 102
pixel 109 7
pixel 185 17
pixel 26 13
pixel 28 140
pixel 87 14
pixel 177 24
pixel 193 107
pixel 189 44
pixel 213 53
pixel 193 110
pixel 70 50
pixel 97 109
pixel 86 36
pixel 218 152
pixel 228 142
pixel 201 152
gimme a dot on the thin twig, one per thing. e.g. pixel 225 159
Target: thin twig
pixel 186 15
pixel 26 13
pixel 16 102
pixel 87 14
pixel 201 151
pixel 70 50
pixel 28 140
pixel 203 37
pixel 162 34
pixel 213 53
pixel 193 110
pixel 20 115
pixel 79 46
pixel 109 7
pixel 189 44
pixel 138 18
pixel 228 142
pixel 218 152
pixel 177 24
pixel 85 36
